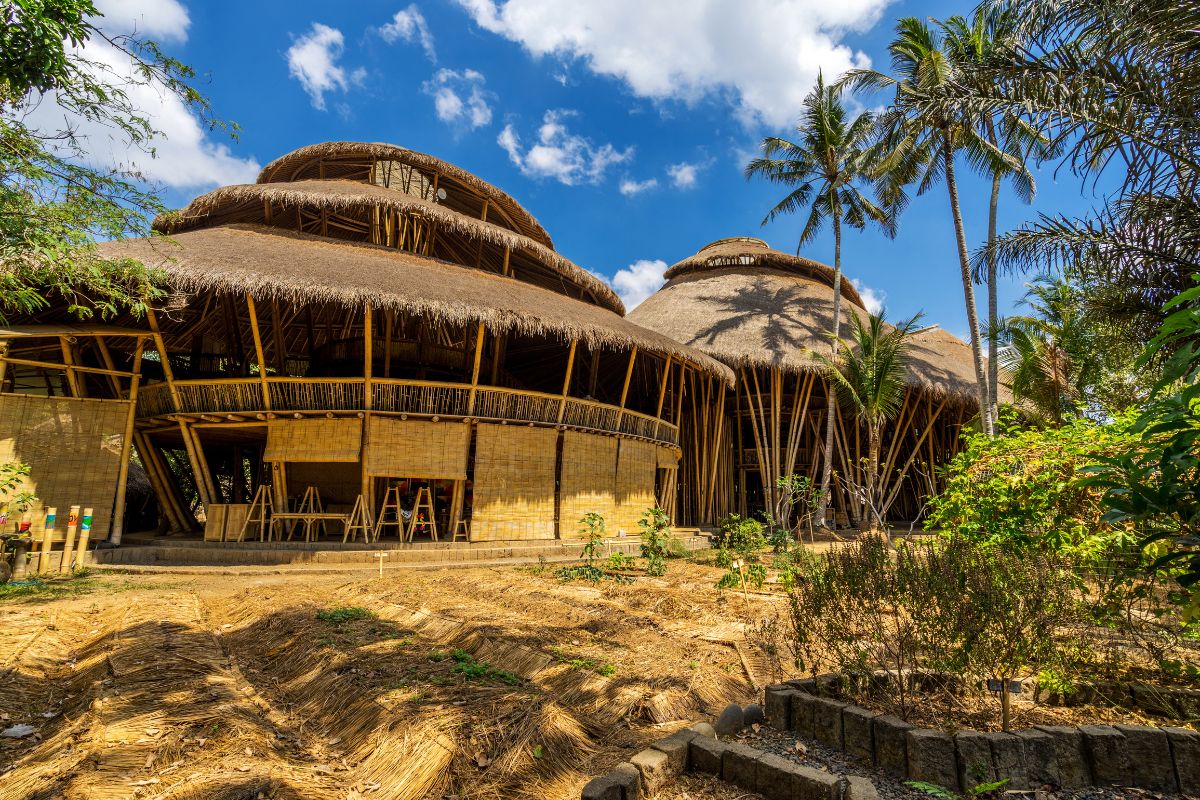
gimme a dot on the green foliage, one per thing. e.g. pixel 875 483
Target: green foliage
pixel 740 542
pixel 604 668
pixel 12 476
pixel 1154 485
pixel 656 540
pixel 53 206
pixel 983 791
pixel 340 616
pixel 1031 487
pixel 619 561
pixel 804 496
pixel 594 529
pixel 466 665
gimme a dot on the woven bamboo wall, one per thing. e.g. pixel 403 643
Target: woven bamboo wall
pixel 636 463
pixel 337 483
pixel 313 440
pixel 588 481
pixel 514 483
pixel 668 458
pixel 411 449
pixel 73 449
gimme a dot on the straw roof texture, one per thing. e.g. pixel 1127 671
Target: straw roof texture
pixel 747 251
pixel 243 203
pixel 290 165
pixel 752 316
pixel 270 263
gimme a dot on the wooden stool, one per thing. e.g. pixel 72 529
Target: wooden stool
pixel 424 502
pixel 261 509
pixel 391 502
pixel 461 528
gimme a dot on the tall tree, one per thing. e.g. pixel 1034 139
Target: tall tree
pixel 990 32
pixel 53 205
pixel 825 168
pixel 868 374
pixel 922 134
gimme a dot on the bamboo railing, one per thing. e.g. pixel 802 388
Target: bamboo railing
pixel 420 398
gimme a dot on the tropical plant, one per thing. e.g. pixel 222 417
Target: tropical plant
pixel 804 493
pixel 13 494
pixel 921 133
pixel 657 542
pixel 825 169
pixel 739 546
pixel 52 204
pixel 869 376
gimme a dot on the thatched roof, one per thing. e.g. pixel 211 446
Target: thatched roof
pixel 755 316
pixel 746 251
pixel 302 164
pixel 270 263
pixel 244 203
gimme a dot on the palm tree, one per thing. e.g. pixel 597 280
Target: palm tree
pixel 990 33
pixel 1051 355
pixel 868 374
pixel 823 169
pixel 922 133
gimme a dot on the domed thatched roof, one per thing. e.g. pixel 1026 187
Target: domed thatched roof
pixel 463 192
pixel 750 306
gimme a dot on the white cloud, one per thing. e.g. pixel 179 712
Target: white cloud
pixel 184 156
pixel 630 187
pixel 408 24
pixel 567 157
pixel 763 54
pixel 684 175
pixel 161 20
pixel 873 299
pixel 459 98
pixel 639 280
pixel 313 60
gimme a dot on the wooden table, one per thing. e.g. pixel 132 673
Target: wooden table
pixel 309 518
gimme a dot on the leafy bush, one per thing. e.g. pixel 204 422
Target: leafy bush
pixel 593 529
pixel 1032 487
pixel 340 616
pixel 739 543
pixel 656 540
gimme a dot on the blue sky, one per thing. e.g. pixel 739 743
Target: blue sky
pixel 622 125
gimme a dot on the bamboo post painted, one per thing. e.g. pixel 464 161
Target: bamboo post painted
pixel 256 334
pixel 562 406
pixel 126 443
pixel 85 535
pixel 64 566
pixel 43 564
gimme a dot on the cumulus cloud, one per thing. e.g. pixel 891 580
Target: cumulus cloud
pixel 764 54
pixel 408 24
pixel 185 157
pixel 459 98
pixel 567 157
pixel 638 281
pixel 683 175
pixel 630 187
pixel 873 299
pixel 313 60
pixel 161 20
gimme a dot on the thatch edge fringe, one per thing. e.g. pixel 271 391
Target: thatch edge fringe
pixel 197 212
pixel 415 158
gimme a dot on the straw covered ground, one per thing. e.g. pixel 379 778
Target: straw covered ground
pixel 472 683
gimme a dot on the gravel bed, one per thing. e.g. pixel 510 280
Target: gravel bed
pixel 816 755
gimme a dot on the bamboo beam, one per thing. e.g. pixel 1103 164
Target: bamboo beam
pixel 118 519
pixel 258 353
pixel 368 357
pixel 475 370
pixel 161 347
pixel 562 406
pixel 107 359
pixel 74 368
pixel 69 366
pixel 662 389
pixel 198 469
pixel 277 338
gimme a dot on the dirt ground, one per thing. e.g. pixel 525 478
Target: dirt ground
pixel 465 683
pixel 459 683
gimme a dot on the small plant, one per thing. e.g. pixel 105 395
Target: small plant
pixel 593 529
pixel 471 669
pixel 340 616
pixel 982 791
pixel 740 542
pixel 618 561
pixel 656 540
pixel 804 495
pixel 436 656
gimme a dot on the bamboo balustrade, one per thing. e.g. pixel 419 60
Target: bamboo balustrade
pixel 243 396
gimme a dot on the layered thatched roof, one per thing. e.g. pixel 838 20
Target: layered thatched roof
pixel 303 163
pixel 747 251
pixel 756 316
pixel 244 203
pixel 270 263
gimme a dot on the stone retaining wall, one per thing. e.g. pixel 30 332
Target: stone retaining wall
pixel 1159 759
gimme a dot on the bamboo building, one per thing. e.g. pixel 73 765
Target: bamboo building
pixel 763 313
pixel 364 330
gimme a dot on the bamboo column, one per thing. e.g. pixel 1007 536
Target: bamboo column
pixel 118 520
pixel 475 370
pixel 161 347
pixel 258 353
pixel 562 405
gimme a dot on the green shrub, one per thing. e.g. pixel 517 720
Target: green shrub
pixel 740 542
pixel 656 540
pixel 340 616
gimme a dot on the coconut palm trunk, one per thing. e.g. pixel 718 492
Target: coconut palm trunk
pixel 981 385
pixel 993 365
pixel 873 493
pixel 831 409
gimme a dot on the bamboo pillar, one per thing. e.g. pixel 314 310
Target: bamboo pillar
pixel 475 370
pixel 562 405
pixel 258 353
pixel 625 386
pixel 161 346
pixel 118 521
pixel 69 361
pixel 368 358
pixel 199 469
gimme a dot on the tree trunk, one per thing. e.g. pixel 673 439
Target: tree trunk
pixel 1005 706
pixel 981 391
pixel 993 366
pixel 873 435
pixel 831 410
